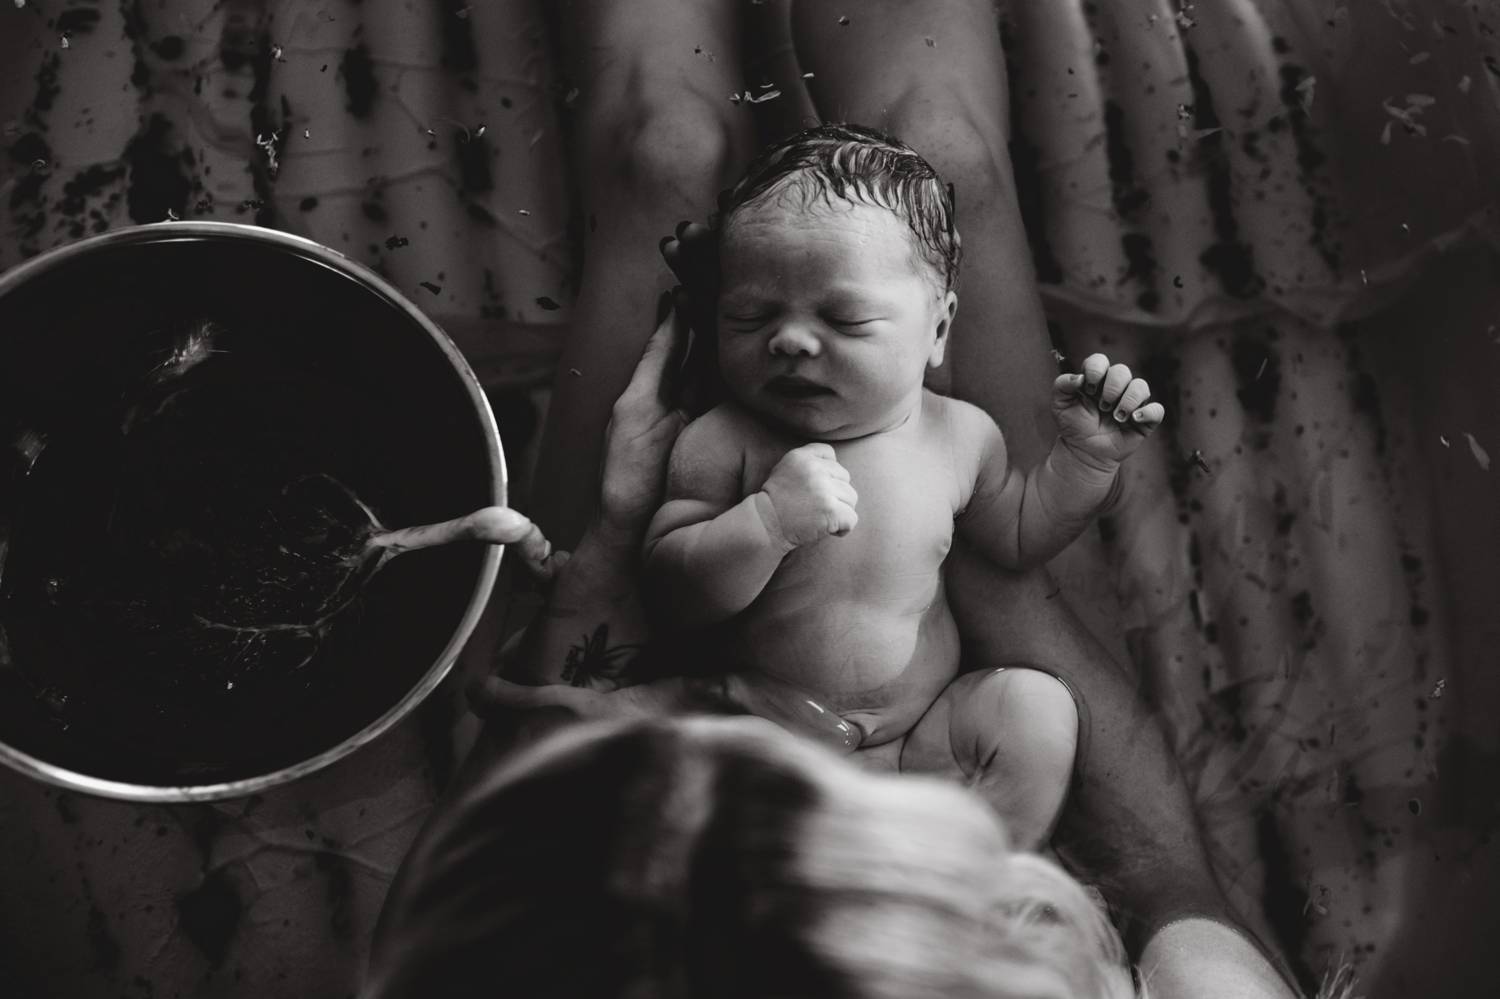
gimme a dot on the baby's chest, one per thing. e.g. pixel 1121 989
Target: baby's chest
pixel 908 496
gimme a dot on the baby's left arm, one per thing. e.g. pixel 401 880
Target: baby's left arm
pixel 1023 520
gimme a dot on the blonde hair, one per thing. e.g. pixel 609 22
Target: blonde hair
pixel 724 858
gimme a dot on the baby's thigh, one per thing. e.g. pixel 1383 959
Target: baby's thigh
pixel 1011 734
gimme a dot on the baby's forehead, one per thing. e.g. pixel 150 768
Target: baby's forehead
pixel 786 218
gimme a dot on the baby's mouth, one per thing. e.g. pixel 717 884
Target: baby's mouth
pixel 794 387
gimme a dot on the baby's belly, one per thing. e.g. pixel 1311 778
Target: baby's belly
pixel 875 668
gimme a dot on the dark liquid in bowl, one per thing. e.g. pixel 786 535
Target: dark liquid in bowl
pixel 178 605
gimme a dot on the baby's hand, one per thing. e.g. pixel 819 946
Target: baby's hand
pixel 809 497
pixel 1103 413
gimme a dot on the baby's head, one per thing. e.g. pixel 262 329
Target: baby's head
pixel 838 261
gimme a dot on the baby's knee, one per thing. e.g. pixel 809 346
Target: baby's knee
pixel 685 147
pixel 1027 714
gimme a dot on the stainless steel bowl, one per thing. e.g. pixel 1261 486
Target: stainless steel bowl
pixel 352 372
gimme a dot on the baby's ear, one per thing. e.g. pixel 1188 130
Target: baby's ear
pixel 947 309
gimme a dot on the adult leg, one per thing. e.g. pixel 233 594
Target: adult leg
pixel 1129 826
pixel 655 139
pixel 932 73
pixel 1011 734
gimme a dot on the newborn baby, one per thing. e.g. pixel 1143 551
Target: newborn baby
pixel 809 515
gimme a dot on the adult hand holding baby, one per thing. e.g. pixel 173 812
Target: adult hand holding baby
pixel 808 497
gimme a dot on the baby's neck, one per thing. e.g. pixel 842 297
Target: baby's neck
pixel 905 420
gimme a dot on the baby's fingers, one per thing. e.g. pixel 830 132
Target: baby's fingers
pixel 1067 386
pixel 841 519
pixel 1135 395
pixel 1095 366
pixel 1115 380
pixel 1148 417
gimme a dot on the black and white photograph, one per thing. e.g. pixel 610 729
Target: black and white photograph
pixel 749 499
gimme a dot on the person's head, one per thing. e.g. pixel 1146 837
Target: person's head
pixel 722 857
pixel 839 257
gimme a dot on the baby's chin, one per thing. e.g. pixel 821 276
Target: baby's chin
pixel 812 421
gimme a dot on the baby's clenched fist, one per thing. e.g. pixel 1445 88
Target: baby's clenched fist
pixel 808 497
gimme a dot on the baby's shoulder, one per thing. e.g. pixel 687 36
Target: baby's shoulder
pixel 720 437
pixel 965 424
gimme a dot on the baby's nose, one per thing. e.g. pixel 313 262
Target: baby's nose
pixel 794 340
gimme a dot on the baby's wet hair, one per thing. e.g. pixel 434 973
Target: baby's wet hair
pixel 862 164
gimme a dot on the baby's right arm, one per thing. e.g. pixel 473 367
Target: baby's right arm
pixel 709 551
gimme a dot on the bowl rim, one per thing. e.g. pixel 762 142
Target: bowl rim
pixel 200 231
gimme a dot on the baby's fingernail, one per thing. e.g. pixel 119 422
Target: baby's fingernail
pixel 1120 415
pixel 1138 415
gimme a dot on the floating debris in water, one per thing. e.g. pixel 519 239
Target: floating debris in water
pixel 1316 900
pixel 1305 92
pixel 436 289
pixel 547 303
pixel 522 211
pixel 396 242
pixel 65 42
pixel 269 145
pixel 1437 688
pixel 1197 459
pixel 1057 356
pixel 1480 454
pixel 843 20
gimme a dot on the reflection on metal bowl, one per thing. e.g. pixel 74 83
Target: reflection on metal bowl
pixel 186 412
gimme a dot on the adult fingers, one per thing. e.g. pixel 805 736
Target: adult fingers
pixel 652 381
pixel 492 695
pixel 689 252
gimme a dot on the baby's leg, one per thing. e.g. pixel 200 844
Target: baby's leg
pixel 655 139
pixel 932 72
pixel 1011 734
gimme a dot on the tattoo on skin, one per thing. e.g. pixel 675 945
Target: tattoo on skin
pixel 593 659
